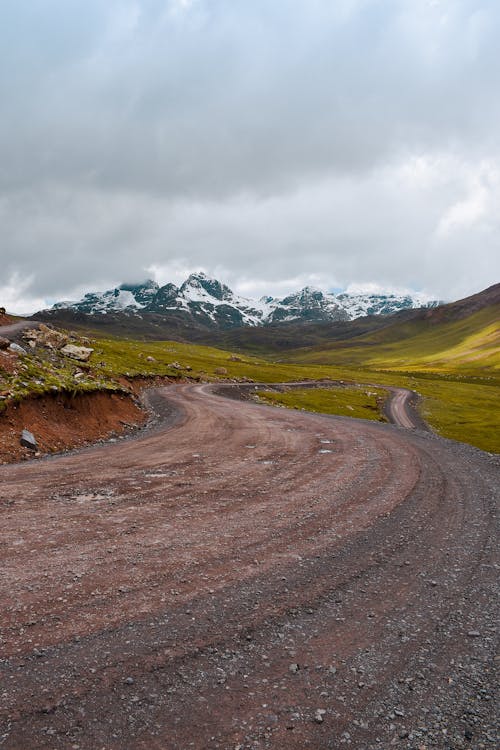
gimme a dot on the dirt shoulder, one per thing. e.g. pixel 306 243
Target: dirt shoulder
pixel 67 421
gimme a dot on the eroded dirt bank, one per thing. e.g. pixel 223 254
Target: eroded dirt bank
pixel 65 421
pixel 250 578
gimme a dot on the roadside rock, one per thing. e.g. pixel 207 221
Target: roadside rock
pixel 17 349
pixel 4 343
pixel 220 371
pixel 82 353
pixel 28 440
pixel 45 336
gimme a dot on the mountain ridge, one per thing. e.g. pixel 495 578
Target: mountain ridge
pixel 211 303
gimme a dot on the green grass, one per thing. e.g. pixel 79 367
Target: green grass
pixel 362 403
pixel 130 358
pixel 468 412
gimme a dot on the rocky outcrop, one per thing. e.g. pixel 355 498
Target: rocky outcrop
pixel 45 336
pixel 81 353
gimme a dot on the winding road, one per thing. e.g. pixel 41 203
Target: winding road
pixel 242 576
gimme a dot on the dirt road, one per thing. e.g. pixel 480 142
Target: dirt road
pixel 14 329
pixel 250 577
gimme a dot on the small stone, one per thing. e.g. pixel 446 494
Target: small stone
pixel 318 716
pixel 294 668
pixel 474 634
pixel 129 681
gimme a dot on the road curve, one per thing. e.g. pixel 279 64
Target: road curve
pixel 400 407
pixel 250 577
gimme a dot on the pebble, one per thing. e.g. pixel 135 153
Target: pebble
pixel 318 716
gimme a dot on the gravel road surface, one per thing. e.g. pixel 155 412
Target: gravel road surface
pixel 14 329
pixel 249 577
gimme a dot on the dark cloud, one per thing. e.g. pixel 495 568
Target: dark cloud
pixel 353 141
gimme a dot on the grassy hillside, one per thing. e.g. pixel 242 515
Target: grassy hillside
pixel 467 346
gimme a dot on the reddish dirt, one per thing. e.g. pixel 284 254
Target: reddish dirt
pixel 249 577
pixel 64 421
pixel 5 320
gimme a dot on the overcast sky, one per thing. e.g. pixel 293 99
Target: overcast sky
pixel 271 143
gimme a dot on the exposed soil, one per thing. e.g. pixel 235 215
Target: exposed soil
pixel 5 319
pixel 250 577
pixel 65 421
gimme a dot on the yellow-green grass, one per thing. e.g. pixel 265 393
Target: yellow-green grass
pixel 468 412
pixel 362 403
pixel 130 358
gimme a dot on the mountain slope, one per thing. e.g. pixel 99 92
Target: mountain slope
pixel 463 336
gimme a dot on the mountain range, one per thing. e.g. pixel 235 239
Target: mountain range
pixel 209 303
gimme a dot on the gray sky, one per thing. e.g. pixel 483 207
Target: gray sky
pixel 272 143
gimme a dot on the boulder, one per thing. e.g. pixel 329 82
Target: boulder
pixel 220 371
pixel 4 343
pixel 81 353
pixel 28 440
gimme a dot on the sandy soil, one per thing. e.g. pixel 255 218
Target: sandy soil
pixel 249 577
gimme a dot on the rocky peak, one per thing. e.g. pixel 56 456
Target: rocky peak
pixel 200 284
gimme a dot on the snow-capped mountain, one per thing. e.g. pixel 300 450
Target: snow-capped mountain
pixel 212 303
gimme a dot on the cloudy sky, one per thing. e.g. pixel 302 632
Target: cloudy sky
pixel 271 143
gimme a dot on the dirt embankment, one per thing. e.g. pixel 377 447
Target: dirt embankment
pixel 64 421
